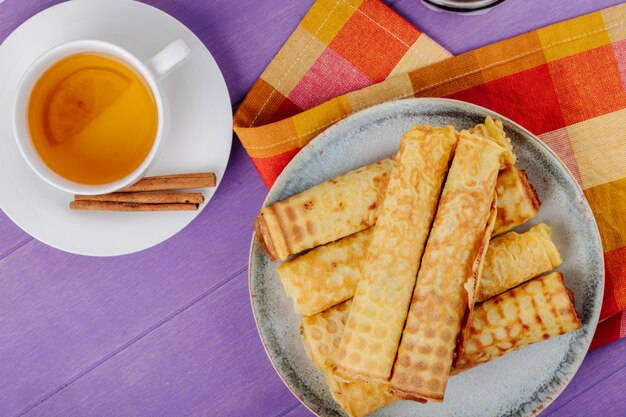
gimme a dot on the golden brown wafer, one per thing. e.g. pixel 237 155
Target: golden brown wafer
pixel 515 258
pixel 329 211
pixel 358 398
pixel 326 275
pixel 534 311
pixel 517 200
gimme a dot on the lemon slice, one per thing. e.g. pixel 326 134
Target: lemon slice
pixel 81 97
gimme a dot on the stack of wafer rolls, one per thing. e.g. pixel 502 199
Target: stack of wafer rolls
pixel 501 325
pixel 349 203
pixel 412 273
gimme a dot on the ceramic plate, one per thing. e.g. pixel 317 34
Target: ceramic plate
pixel 521 383
pixel 199 136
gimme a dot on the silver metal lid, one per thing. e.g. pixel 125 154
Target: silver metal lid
pixel 463 5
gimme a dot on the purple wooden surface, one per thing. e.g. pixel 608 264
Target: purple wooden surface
pixel 169 331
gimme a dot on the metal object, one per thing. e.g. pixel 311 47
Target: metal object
pixel 462 6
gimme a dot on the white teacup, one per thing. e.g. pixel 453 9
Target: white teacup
pixel 153 70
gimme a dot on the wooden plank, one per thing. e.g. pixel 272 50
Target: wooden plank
pixel 605 398
pixel 12 238
pixel 199 363
pixel 228 376
pixel 596 370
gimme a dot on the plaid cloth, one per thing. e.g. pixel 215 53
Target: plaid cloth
pixel 339 47
pixel 566 83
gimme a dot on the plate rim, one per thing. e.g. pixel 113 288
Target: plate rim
pixel 225 99
pixel 456 103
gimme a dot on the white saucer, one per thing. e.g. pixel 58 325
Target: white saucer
pixel 199 136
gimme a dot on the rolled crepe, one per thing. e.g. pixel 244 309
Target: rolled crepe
pixel 349 203
pixel 517 200
pixel 326 275
pixel 358 398
pixel 498 327
pixel 494 130
pixel 322 333
pixel 449 272
pixel 535 311
pixel 381 301
pixel 515 258
pixel 329 211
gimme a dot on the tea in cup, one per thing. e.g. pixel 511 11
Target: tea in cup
pixel 88 117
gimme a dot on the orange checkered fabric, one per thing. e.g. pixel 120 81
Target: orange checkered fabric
pixel 340 46
pixel 566 83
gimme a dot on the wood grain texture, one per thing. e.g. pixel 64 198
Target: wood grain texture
pixel 11 236
pixel 207 346
pixel 169 331
pixel 596 371
pixel 604 399
pixel 297 410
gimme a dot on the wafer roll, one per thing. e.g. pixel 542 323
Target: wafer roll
pixel 534 311
pixel 498 327
pixel 515 258
pixel 322 333
pixel 358 398
pixel 494 130
pixel 329 211
pixel 448 272
pixel 326 275
pixel 381 301
pixel 517 200
pixel 517 203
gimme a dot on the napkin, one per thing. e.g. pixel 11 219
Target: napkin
pixel 565 83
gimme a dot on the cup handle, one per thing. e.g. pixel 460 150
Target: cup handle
pixel 168 59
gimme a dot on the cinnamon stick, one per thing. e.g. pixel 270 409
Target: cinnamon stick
pixel 147 198
pixel 129 207
pixel 173 182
